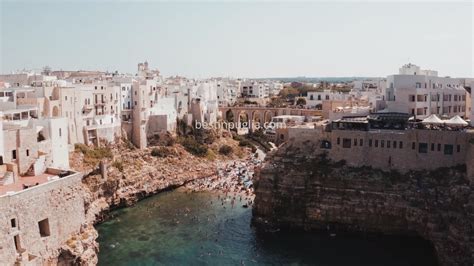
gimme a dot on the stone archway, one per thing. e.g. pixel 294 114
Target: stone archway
pixel 257 120
pixel 243 122
pixel 267 116
pixel 229 116
pixel 244 119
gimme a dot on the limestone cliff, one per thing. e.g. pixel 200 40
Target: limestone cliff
pixel 299 188
pixel 138 176
pixel 127 175
pixel 80 249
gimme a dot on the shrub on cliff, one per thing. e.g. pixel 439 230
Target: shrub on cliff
pixel 118 165
pixel 81 148
pixel 225 150
pixel 193 147
pixel 95 154
pixel 210 155
pixel 161 152
pixel 247 143
pixel 161 139
pixel 170 142
pixel 204 136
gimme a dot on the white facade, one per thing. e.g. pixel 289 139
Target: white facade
pixel 423 95
pixel 56 130
pixel 227 92
pixel 316 98
pixel 254 89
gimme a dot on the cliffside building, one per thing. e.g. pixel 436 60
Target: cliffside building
pixel 422 93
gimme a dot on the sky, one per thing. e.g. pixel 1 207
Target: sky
pixel 238 39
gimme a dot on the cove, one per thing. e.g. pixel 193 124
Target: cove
pixel 178 228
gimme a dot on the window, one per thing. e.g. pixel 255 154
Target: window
pixel 355 142
pixel 361 142
pixel 413 145
pixel 394 144
pixel 448 149
pixel 346 143
pixel 325 144
pixel 432 147
pixel 13 223
pixel 27 152
pixel 422 147
pixel 376 143
pixel 44 228
pixel 458 148
pixel 370 142
pixel 400 145
pixel 338 141
pixel 60 132
pixel 439 146
pixel 14 154
pixel 388 144
pixel 16 239
pixel 411 98
pixel 382 143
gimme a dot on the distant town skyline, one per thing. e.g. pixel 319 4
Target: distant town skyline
pixel 239 39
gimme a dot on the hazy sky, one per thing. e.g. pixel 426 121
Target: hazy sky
pixel 239 39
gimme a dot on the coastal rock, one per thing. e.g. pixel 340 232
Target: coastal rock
pixel 80 249
pixel 319 194
pixel 129 176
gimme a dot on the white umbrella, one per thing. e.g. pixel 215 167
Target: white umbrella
pixel 456 121
pixel 432 119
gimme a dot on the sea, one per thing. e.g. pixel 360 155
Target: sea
pixel 200 228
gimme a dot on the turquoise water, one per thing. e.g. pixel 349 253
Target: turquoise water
pixel 177 228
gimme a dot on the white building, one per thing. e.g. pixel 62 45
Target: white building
pixel 422 93
pixel 227 92
pixel 316 98
pixel 254 89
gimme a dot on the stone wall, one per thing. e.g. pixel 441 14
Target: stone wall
pixel 41 219
pixel 388 149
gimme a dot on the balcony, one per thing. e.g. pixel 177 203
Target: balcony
pixel 87 107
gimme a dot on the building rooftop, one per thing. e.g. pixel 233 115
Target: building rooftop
pixel 25 182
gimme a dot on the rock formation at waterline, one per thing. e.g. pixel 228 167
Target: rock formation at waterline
pixel 301 188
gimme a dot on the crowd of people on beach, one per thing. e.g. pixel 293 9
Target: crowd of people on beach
pixel 233 179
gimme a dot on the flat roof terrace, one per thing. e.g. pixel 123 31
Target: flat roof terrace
pixel 25 182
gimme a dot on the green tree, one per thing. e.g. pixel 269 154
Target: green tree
pixel 301 101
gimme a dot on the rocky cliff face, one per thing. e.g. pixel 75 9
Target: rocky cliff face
pixel 140 175
pixel 125 178
pixel 299 188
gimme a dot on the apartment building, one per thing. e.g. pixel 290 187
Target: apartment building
pixel 422 93
pixel 254 89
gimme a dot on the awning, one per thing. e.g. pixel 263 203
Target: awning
pixel 432 119
pixel 456 121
